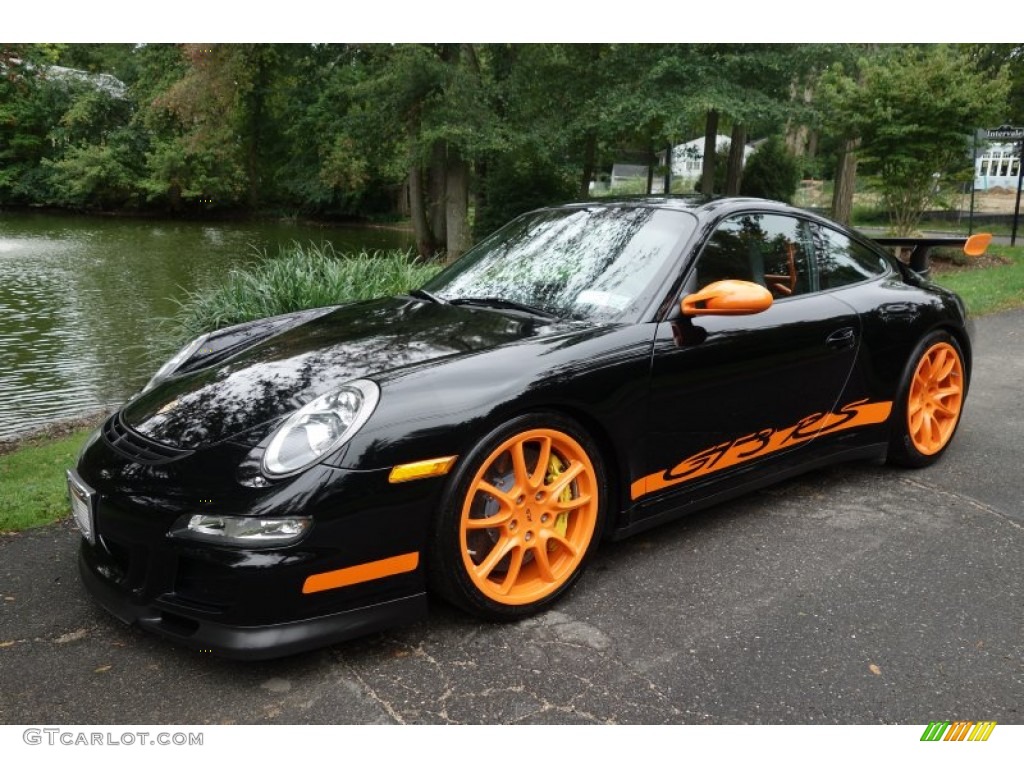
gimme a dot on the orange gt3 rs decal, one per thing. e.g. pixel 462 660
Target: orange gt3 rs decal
pixel 749 447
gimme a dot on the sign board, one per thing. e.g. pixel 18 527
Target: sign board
pixel 1004 133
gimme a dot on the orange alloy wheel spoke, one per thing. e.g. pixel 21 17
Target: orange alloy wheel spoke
pixel 562 542
pixel 496 555
pixel 935 399
pixel 541 467
pixel 494 521
pixel 552 499
pixel 497 519
pixel 514 566
pixel 945 366
pixel 540 556
pixel 571 504
pixel 522 474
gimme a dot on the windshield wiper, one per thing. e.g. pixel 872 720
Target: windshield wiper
pixel 500 303
pixel 419 293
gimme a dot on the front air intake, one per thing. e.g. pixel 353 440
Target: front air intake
pixel 134 446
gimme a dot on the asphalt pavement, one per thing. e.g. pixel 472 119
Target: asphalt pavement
pixel 859 594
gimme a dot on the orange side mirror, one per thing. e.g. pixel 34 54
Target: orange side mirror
pixel 976 244
pixel 727 297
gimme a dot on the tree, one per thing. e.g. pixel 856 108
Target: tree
pixel 913 109
pixel 771 172
pixel 996 58
pixel 30 104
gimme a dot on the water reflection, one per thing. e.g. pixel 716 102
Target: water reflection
pixel 82 299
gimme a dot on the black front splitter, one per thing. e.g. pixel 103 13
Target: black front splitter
pixel 253 643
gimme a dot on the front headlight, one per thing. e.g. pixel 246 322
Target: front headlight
pixel 242 531
pixel 319 427
pixel 172 365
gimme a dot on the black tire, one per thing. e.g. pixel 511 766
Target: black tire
pixel 929 404
pixel 512 536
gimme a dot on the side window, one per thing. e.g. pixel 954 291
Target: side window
pixel 843 261
pixel 767 249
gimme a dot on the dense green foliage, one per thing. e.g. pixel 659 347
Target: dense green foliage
pixel 913 111
pixel 459 137
pixel 302 277
pixel 771 172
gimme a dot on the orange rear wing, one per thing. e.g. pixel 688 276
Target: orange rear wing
pixel 920 247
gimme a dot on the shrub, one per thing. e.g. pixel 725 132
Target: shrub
pixel 301 277
pixel 771 172
pixel 514 186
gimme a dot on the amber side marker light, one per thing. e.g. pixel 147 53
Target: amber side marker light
pixel 976 244
pixel 418 470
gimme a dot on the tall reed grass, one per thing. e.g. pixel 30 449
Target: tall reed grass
pixel 301 277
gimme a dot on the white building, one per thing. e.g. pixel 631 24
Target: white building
pixel 688 158
pixel 687 164
pixel 999 166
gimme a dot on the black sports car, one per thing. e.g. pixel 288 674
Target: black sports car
pixel 586 372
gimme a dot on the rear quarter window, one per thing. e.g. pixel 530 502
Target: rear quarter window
pixel 843 261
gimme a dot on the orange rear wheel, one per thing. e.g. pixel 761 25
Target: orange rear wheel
pixel 935 399
pixel 931 401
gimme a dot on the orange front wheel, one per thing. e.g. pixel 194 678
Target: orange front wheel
pixel 524 517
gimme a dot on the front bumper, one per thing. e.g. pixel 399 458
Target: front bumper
pixel 250 643
pixel 336 583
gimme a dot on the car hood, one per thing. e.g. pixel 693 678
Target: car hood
pixel 238 397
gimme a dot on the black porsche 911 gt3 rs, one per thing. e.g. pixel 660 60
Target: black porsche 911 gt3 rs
pixel 584 373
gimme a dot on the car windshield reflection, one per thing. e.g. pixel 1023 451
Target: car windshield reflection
pixel 599 263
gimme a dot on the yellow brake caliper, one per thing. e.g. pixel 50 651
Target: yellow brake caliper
pixel 555 468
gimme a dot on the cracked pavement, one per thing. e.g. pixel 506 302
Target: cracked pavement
pixel 858 594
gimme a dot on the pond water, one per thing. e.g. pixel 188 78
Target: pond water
pixel 86 302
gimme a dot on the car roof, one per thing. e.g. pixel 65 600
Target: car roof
pixel 702 206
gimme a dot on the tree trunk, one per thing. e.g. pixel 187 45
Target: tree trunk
pixel 798 134
pixel 589 152
pixel 255 102
pixel 846 181
pixel 425 244
pixel 651 160
pixel 457 205
pixel 437 181
pixel 668 168
pixel 736 150
pixel 707 177
pixel 402 199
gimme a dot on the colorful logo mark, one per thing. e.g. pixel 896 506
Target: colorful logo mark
pixel 960 730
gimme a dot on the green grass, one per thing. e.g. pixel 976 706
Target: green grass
pixel 32 482
pixel 302 277
pixel 989 289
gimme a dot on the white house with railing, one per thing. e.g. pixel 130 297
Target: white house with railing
pixel 998 166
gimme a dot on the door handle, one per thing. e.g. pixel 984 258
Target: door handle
pixel 844 338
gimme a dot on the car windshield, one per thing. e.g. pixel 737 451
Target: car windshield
pixel 601 263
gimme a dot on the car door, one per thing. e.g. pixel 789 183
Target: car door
pixel 734 397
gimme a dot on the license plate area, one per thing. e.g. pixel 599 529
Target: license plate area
pixel 83 506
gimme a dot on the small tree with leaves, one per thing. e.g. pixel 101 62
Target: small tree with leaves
pixel 771 172
pixel 914 110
